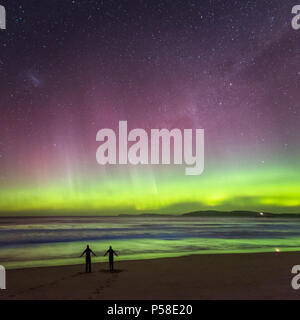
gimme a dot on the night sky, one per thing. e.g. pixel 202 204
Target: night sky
pixel 69 68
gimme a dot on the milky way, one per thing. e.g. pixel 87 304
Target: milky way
pixel 70 68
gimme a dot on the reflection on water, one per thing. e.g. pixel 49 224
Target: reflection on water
pixel 26 242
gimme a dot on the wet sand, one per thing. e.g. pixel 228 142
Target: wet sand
pixel 222 276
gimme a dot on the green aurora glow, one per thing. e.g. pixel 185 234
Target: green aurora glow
pixel 140 190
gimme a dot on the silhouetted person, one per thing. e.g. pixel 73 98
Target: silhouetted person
pixel 88 260
pixel 111 253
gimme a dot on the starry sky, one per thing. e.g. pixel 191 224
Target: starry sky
pixel 69 68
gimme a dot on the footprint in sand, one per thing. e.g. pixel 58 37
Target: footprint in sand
pixel 108 282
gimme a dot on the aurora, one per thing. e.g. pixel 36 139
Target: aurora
pixel 235 74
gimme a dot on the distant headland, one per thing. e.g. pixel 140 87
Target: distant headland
pixel 222 214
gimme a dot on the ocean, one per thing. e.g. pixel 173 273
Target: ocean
pixel 52 241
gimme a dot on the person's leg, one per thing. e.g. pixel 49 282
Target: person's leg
pixel 86 266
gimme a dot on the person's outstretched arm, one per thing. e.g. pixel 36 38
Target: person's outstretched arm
pixel 106 253
pixel 83 253
pixel 116 253
pixel 93 253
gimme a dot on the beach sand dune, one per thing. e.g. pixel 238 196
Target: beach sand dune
pixel 222 276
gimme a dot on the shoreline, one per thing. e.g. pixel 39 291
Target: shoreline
pixel 205 276
pixel 162 256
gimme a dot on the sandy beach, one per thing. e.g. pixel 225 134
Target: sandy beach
pixel 223 276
